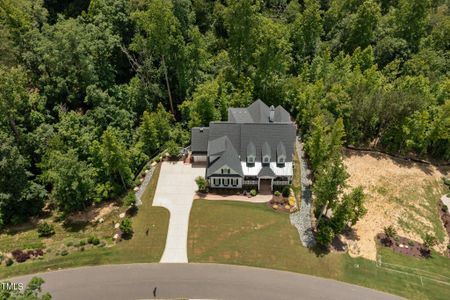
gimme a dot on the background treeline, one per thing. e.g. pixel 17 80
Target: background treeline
pixel 89 90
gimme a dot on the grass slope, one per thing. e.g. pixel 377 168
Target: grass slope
pixel 140 248
pixel 252 234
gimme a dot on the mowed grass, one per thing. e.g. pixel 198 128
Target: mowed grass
pixel 252 234
pixel 140 248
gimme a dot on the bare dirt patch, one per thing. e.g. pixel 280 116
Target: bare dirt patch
pixel 93 213
pixel 399 193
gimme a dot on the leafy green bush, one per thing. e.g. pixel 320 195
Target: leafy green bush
pixel 126 227
pixel 64 252
pixel 45 230
pixel 286 191
pixel 69 244
pixel 129 199
pixel 82 243
pixel 8 262
pixel 277 193
pixel 201 183
pixel 411 243
pixel 253 193
pixel 93 240
pixel 445 208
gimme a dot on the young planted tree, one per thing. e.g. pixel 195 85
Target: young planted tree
pixel 390 234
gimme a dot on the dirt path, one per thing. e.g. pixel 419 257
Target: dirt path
pixel 399 193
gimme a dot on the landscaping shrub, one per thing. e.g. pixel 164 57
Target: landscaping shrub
pixel 69 244
pixel 8 262
pixel 126 227
pixel 277 193
pixel 64 252
pixel 286 191
pixel 129 199
pixel 93 240
pixel 82 243
pixel 20 256
pixel 45 230
pixel 201 183
pixel 445 208
pixel 448 246
pixel 82 249
pixel 411 243
pixel 253 193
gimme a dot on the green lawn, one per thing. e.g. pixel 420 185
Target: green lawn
pixel 140 248
pixel 252 234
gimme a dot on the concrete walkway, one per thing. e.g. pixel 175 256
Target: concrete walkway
pixel 256 199
pixel 175 191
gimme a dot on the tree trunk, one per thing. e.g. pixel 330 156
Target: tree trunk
pixel 13 125
pixel 167 84
pixel 325 209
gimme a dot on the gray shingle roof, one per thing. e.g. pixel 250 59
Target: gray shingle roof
pixel 229 157
pixel 247 130
pixel 281 150
pixel 199 139
pixel 266 172
pixel 251 149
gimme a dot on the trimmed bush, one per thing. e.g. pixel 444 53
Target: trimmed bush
pixel 69 244
pixel 8 262
pixel 286 191
pixel 411 243
pixel 93 240
pixel 277 193
pixel 64 252
pixel 20 256
pixel 129 199
pixel 201 183
pixel 82 243
pixel 126 227
pixel 253 193
pixel 45 230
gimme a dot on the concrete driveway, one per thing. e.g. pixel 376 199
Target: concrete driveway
pixel 175 191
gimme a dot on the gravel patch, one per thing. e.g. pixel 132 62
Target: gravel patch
pixel 302 218
pixel 143 186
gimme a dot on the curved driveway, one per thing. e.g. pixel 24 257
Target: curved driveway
pixel 199 281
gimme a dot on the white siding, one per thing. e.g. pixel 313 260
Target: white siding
pixel 286 170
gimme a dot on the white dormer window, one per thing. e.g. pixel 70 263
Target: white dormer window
pixel 281 160
pixel 250 159
pixel 266 159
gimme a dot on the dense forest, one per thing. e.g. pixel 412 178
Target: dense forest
pixel 90 90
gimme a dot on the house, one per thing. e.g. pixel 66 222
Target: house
pixel 253 149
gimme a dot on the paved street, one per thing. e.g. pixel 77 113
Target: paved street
pixel 175 191
pixel 199 281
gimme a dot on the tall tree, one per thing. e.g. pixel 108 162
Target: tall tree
pixel 241 22
pixel 306 31
pixel 162 42
pixel 72 180
pixel 115 159
pixel 411 21
pixel 362 26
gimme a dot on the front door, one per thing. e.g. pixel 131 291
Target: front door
pixel 265 186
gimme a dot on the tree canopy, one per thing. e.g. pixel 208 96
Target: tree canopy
pixel 91 89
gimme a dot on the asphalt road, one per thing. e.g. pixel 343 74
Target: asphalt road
pixel 195 281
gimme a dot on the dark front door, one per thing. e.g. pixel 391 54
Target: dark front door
pixel 265 186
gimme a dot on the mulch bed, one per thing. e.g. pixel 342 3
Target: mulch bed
pixel 402 246
pixel 445 217
pixel 280 203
